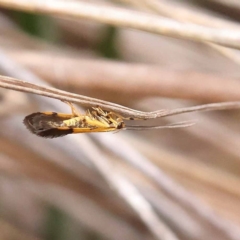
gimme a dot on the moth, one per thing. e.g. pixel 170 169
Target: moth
pixel 53 124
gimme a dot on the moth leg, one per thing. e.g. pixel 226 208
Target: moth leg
pixel 75 113
pixel 90 114
pixel 96 115
pixel 113 115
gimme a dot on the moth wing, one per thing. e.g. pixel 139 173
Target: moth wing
pixel 62 131
pixel 54 132
pixel 48 125
pixel 41 123
pixel 93 129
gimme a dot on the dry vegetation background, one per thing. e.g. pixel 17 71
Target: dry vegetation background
pixel 163 184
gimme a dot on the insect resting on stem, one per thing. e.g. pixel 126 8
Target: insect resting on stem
pixel 52 124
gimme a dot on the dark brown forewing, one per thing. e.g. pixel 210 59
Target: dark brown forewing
pixel 54 132
pixel 46 125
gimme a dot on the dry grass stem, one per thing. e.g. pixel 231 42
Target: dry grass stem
pixel 129 19
pixel 227 3
pixel 125 79
pixel 187 13
pixel 18 85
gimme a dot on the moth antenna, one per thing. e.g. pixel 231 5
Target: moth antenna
pixel 173 125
